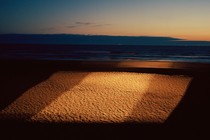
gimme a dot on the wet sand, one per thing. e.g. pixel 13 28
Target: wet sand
pixel 104 98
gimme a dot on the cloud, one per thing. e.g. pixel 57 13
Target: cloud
pixel 84 24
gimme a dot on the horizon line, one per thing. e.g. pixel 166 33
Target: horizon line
pixel 155 36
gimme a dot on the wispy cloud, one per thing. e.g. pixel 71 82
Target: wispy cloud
pixel 86 24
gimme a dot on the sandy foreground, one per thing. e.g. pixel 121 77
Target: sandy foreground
pixel 68 96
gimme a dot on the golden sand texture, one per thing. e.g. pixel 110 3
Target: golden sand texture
pixel 100 97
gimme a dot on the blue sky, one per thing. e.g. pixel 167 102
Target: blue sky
pixel 188 19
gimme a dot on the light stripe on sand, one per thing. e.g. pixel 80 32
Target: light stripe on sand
pixel 100 97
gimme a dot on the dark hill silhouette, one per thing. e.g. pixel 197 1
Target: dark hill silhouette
pixel 96 40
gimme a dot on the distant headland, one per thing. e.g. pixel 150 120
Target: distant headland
pixel 96 40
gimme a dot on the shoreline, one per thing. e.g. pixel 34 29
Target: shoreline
pixel 107 65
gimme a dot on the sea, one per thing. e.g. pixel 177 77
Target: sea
pixel 88 52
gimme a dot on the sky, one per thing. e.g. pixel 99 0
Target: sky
pixel 186 19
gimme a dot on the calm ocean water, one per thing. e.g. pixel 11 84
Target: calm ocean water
pixel 106 52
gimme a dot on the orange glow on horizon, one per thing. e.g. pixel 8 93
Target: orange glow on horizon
pixel 185 19
pixel 189 37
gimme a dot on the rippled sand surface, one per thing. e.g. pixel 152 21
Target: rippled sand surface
pixel 68 96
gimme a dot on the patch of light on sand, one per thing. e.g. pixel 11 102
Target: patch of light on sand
pixel 100 97
pixel 117 97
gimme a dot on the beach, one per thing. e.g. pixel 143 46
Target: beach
pixel 68 96
pixel 153 97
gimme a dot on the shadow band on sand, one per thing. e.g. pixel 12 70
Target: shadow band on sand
pixel 15 81
pixel 18 90
pixel 189 119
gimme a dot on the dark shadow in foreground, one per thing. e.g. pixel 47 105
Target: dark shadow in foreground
pixel 192 116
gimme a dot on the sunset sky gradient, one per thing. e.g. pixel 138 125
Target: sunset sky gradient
pixel 187 19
